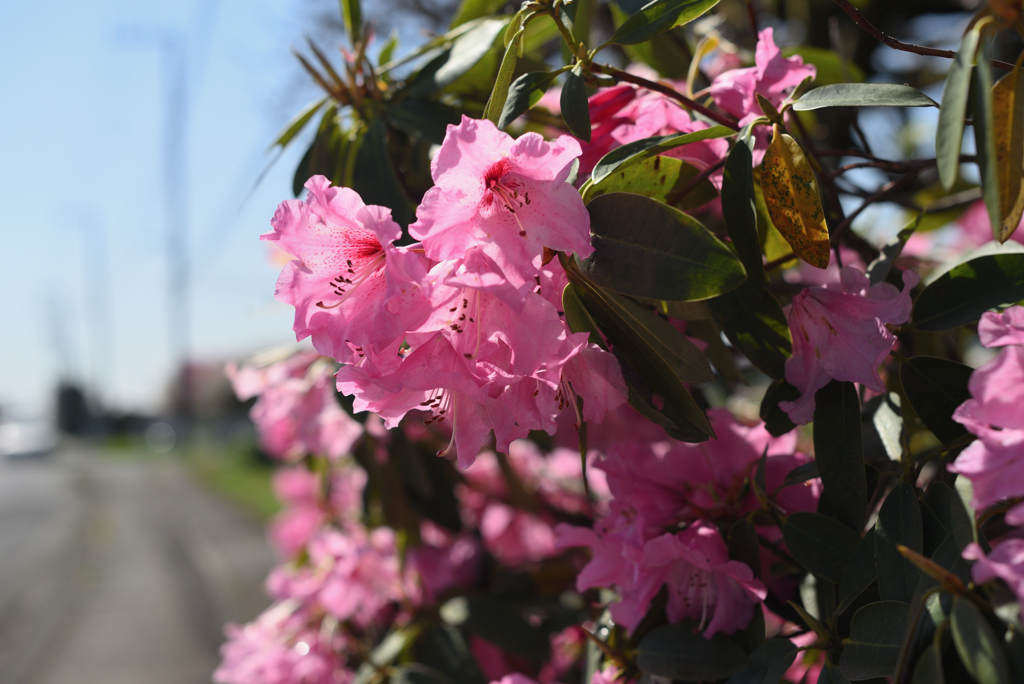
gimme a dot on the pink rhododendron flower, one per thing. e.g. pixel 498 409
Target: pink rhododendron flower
pixel 507 196
pixel 444 561
pixel 1005 562
pixel 297 412
pixel 773 77
pixel 348 282
pixel 282 646
pixel 567 647
pixel 1002 329
pixel 839 333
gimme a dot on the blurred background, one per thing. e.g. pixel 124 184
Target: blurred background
pixel 135 177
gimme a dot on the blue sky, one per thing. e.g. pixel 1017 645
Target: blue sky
pixel 80 187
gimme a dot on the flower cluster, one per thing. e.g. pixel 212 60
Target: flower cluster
pixel 465 323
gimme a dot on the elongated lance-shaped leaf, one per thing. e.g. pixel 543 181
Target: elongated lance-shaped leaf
pixel 657 17
pixel 791 195
pixel 496 102
pixel 645 248
pixel 985 133
pixel 298 122
pixel 524 92
pixel 1008 126
pixel 876 634
pixel 863 95
pixel 838 449
pixel 950 132
pixel 352 16
pixel 739 211
pixel 879 269
pixel 575 107
pixel 638 150
pixel 966 291
pixel 661 178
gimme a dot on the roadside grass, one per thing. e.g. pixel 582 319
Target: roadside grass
pixel 236 472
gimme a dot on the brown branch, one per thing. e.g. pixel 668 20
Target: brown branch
pixel 667 91
pixel 694 182
pixel 900 45
pixel 871 199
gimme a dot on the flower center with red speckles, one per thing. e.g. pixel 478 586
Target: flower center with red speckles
pixel 497 185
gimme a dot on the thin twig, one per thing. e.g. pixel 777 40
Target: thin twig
pixel 871 199
pixel 895 44
pixel 667 91
pixel 694 182
pixel 775 263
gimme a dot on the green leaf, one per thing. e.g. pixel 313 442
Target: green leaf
pixel 950 131
pixel 801 474
pixel 645 248
pixel 769 663
pixel 935 387
pixel 577 317
pixel 985 137
pixel 928 669
pixel 467 49
pixel 389 648
pixel 830 67
pixel 777 421
pixel 858 573
pixel 499 94
pixel 943 514
pixel 524 92
pixel 977 644
pixel 754 322
pixel 739 211
pixel 498 623
pixel 863 95
pixel 819 543
pixel 474 9
pixel 427 119
pixel 375 179
pixel 876 634
pixel 839 453
pixel 574 104
pixel 638 150
pixel 657 17
pixel 443 648
pixel 352 16
pixel 899 522
pixel 387 51
pixel 652 346
pixel 883 433
pixel 660 178
pixel 878 270
pixel 298 123
pixel 743 544
pixel 831 674
pixel 681 653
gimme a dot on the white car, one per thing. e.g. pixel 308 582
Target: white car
pixel 20 438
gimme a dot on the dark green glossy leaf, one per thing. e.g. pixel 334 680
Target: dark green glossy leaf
pixel 651 345
pixel 426 119
pixel 831 674
pixel 801 474
pixel 777 421
pixel 467 49
pixel 524 92
pixel 739 211
pixel 858 573
pixel 882 431
pixel 498 623
pixel 661 178
pixel 474 9
pixel 899 522
pixel 977 645
pixel 769 663
pixel 755 324
pixel 943 513
pixel 950 131
pixel 443 648
pixel 666 53
pixel 574 104
pixel 577 316
pixel 863 95
pixel 743 544
pixel 385 653
pixel 928 669
pixel 375 179
pixel 681 653
pixel 819 543
pixel 839 452
pixel 638 150
pixel 878 270
pixel 935 387
pixel 645 248
pixel 657 17
pixel 985 136
pixel 876 635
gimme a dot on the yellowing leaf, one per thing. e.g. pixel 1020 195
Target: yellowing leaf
pixel 1008 113
pixel 791 195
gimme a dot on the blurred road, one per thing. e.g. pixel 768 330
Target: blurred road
pixel 119 570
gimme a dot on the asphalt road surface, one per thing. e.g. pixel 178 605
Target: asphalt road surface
pixel 119 570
